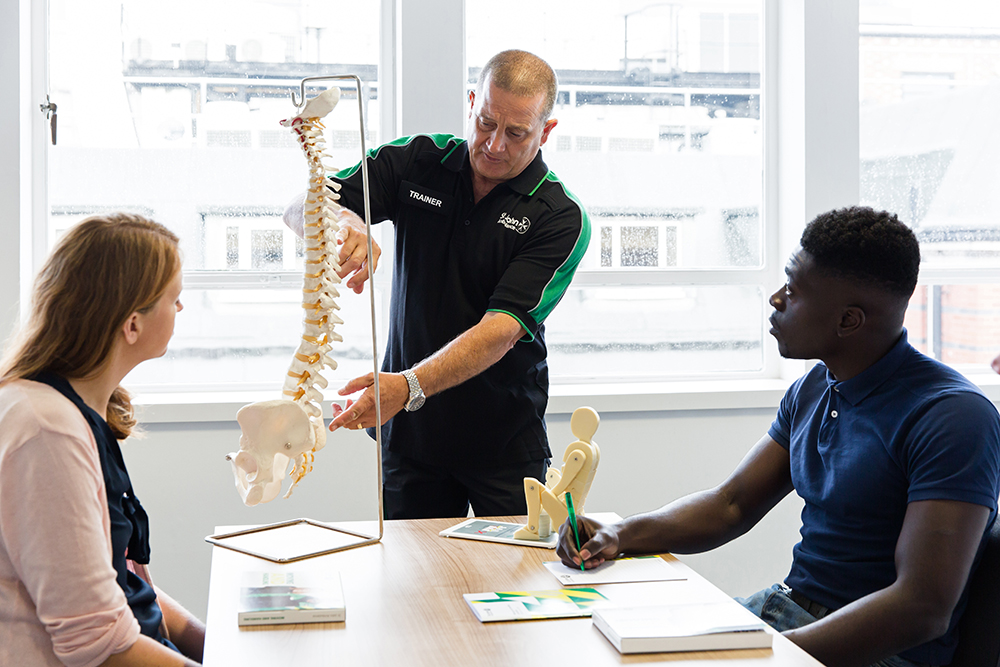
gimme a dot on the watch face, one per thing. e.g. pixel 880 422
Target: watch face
pixel 415 403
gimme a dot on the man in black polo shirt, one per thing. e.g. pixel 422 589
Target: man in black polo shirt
pixel 487 241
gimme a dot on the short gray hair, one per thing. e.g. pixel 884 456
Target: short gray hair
pixel 523 74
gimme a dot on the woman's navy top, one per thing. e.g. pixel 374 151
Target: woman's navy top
pixel 129 523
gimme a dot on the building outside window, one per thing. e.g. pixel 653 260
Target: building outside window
pixel 929 150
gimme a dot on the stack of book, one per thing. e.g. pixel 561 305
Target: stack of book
pixel 681 627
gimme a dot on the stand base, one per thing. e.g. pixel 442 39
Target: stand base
pixel 290 541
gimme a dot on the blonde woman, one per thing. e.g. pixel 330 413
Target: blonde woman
pixel 74 540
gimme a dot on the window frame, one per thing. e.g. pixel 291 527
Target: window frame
pixel 811 161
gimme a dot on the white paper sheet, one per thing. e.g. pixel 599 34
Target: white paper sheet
pixel 620 571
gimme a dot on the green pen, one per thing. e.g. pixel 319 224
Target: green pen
pixel 572 520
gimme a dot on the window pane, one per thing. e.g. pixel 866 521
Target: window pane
pixel 172 109
pixel 650 333
pixel 969 323
pixel 958 324
pixel 660 137
pixel 916 320
pixel 930 87
pixel 244 339
pixel 659 121
pixel 639 246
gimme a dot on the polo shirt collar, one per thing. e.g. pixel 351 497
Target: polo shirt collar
pixel 528 180
pixel 524 183
pixel 864 383
pixel 457 157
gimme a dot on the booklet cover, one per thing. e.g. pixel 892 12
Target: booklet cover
pixel 682 627
pixel 533 605
pixel 497 531
pixel 291 597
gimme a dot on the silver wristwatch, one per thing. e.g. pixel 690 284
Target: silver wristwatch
pixel 417 398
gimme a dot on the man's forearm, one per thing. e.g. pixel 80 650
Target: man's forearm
pixel 934 554
pixel 695 523
pixel 469 354
pixel 872 628
pixel 466 356
pixel 707 519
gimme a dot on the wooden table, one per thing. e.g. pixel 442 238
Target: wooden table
pixel 405 607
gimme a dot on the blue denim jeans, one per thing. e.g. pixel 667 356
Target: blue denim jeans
pixel 778 610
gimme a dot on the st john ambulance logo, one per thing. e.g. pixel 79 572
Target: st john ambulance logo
pixel 519 226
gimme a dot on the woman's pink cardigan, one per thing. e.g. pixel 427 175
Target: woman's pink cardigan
pixel 59 600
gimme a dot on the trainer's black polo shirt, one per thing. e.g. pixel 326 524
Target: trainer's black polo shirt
pixel 513 252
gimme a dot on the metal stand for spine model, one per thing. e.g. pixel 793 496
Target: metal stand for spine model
pixel 364 540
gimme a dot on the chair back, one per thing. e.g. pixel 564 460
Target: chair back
pixel 979 627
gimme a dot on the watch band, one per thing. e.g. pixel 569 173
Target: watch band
pixel 417 398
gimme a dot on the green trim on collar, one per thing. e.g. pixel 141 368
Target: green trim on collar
pixel 458 142
pixel 530 177
pixel 544 178
pixel 440 140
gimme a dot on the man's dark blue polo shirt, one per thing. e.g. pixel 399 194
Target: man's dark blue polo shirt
pixel 515 252
pixel 906 429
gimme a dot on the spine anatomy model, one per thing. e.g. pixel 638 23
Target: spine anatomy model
pixel 291 428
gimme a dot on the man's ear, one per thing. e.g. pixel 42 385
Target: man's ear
pixel 472 101
pixel 132 328
pixel 852 320
pixel 549 125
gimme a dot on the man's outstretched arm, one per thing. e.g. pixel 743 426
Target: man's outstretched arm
pixel 695 523
pixel 468 355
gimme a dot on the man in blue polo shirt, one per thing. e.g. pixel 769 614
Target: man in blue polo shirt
pixel 487 240
pixel 896 456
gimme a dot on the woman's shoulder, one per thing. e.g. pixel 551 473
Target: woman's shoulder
pixel 29 408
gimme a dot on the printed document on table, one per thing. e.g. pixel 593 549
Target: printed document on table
pixel 619 571
pixel 532 605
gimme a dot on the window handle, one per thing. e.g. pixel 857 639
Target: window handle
pixel 49 109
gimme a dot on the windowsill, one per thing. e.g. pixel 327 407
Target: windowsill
pixel 201 407
pixel 195 407
pixel 668 396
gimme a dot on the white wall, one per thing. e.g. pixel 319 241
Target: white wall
pixel 12 145
pixel 647 458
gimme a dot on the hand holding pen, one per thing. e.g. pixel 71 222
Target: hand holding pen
pixel 572 522
pixel 597 542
